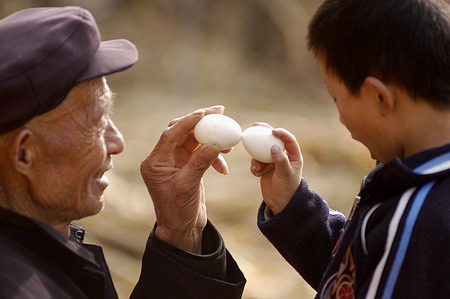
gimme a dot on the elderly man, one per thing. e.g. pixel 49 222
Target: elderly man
pixel 56 143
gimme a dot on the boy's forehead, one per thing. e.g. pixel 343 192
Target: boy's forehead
pixel 323 69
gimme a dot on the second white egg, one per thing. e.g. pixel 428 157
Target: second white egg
pixel 258 142
pixel 218 129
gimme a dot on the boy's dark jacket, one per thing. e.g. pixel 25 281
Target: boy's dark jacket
pixel 396 244
pixel 38 262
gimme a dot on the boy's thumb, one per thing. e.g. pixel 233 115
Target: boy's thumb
pixel 280 159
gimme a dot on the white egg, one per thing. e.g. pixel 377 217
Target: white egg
pixel 258 141
pixel 218 129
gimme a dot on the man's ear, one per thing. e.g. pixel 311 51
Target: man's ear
pixel 383 96
pixel 22 150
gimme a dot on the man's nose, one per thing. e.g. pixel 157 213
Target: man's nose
pixel 114 139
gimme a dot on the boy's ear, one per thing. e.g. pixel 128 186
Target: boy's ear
pixel 381 93
pixel 22 150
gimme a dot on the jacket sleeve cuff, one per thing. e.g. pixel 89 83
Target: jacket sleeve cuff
pixel 212 261
pixel 304 232
pixel 168 272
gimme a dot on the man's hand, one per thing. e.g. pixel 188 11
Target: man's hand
pixel 280 179
pixel 173 175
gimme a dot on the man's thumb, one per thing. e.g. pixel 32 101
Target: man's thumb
pixel 201 160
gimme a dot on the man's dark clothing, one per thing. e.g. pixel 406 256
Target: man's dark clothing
pixel 38 262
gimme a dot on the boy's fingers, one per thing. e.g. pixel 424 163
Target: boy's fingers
pixel 281 161
pixel 256 167
pixel 262 124
pixel 290 144
pixel 260 169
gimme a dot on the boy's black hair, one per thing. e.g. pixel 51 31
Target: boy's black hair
pixel 405 42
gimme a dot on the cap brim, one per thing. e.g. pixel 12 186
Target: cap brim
pixel 112 56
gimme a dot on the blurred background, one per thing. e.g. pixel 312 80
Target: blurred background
pixel 248 55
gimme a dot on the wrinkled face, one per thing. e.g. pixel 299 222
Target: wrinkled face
pixel 356 113
pixel 76 143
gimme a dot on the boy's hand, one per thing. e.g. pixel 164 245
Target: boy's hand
pixel 173 175
pixel 280 179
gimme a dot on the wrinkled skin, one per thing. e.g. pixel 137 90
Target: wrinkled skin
pixel 173 175
pixel 54 165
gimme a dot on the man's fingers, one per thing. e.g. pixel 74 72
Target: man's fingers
pixel 200 161
pixel 176 135
pixel 181 128
pixel 220 165
pixel 215 109
pixel 174 121
pixel 208 110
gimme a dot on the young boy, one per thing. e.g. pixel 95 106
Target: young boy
pixel 386 64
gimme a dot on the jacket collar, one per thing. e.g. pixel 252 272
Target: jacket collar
pixel 397 176
pixel 40 236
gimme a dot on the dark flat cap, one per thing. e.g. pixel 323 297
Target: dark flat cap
pixel 46 51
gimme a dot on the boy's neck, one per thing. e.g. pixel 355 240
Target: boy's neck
pixel 422 127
